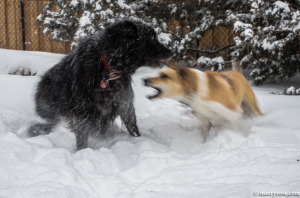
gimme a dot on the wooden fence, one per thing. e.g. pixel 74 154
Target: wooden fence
pixel 27 35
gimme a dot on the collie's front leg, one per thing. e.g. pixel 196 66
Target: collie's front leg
pixel 205 125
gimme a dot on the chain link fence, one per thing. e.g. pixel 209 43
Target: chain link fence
pixel 20 30
pixel 216 42
pixel 10 26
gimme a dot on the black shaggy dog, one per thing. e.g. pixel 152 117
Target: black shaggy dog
pixel 91 86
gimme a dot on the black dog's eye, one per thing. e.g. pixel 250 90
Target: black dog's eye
pixel 164 76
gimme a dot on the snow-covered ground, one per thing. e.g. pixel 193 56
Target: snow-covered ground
pixel 12 61
pixel 168 160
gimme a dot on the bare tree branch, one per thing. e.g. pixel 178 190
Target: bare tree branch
pixel 211 52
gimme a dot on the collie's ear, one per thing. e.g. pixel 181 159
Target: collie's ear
pixel 171 64
pixel 180 67
pixel 182 72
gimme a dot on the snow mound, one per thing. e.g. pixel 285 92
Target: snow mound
pixel 14 61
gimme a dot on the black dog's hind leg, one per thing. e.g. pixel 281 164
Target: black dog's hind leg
pixel 84 126
pixel 41 129
pixel 82 136
pixel 49 115
pixel 81 128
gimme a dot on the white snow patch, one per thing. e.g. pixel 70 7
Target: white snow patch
pixel 164 38
pixel 36 62
pixel 218 59
pixel 238 25
pixel 74 3
pixel 85 20
pixel 282 6
pixel 247 33
pixel 291 90
pixel 266 44
pixel 204 60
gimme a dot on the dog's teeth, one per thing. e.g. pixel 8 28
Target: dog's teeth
pixel 149 97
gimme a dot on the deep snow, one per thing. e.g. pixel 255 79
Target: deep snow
pixel 168 160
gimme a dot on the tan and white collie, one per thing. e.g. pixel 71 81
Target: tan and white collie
pixel 212 96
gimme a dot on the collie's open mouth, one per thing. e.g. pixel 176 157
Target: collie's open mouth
pixel 157 94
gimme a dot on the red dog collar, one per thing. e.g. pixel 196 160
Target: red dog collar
pixel 112 74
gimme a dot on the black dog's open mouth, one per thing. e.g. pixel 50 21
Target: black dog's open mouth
pixel 157 94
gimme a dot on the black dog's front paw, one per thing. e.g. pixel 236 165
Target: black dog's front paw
pixel 135 133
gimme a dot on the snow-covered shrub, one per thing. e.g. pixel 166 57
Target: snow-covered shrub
pixel 291 91
pixel 60 20
pixel 267 32
pixel 71 20
pixel 214 64
pixel 268 39
pixel 180 24
pixel 23 72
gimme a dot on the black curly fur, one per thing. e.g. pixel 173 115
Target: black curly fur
pixel 71 89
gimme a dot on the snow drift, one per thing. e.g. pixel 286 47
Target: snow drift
pixel 168 160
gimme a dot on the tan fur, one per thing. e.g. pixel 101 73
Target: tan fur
pixel 218 89
pixel 231 91
pixel 228 88
pixel 212 95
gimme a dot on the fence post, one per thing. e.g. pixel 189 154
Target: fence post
pixel 23 24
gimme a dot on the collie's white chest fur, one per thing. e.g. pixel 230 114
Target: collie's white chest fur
pixel 214 111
